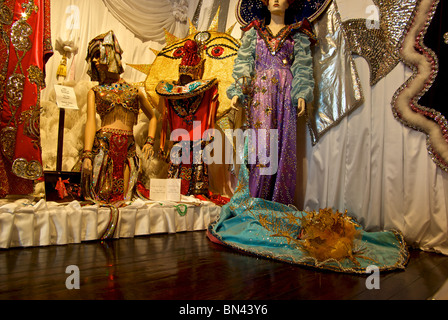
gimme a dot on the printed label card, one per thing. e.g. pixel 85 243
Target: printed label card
pixel 164 189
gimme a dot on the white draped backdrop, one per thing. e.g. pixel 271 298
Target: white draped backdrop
pixel 370 164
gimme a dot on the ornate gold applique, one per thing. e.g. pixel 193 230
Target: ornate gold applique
pixel 36 76
pixel 14 89
pixel 29 7
pixel 31 117
pixel 268 110
pixel 8 142
pixel 6 15
pixel 27 170
pixel 445 38
pixel 118 186
pixel 20 33
pixel 258 125
pixel 185 173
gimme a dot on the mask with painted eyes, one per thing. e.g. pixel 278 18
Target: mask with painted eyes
pixel 217 52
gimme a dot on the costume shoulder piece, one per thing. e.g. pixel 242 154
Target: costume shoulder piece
pixel 305 27
pixel 172 90
pixel 275 42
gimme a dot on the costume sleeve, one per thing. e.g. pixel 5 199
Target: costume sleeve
pixel 302 69
pixel 214 104
pixel 244 62
pixel 164 129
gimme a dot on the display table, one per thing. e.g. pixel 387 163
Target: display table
pixel 25 222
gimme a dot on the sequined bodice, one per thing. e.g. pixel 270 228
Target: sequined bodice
pixel 274 52
pixel 282 59
pixel 109 98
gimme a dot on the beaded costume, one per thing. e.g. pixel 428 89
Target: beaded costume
pixel 114 149
pixel 24 50
pixel 325 240
pixel 282 72
pixel 117 101
pixel 190 108
pixel 184 113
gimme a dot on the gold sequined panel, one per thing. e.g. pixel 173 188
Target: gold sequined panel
pixel 379 41
pixel 20 33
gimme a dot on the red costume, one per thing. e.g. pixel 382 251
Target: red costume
pixel 191 107
pixel 26 26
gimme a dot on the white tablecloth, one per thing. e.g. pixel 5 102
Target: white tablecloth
pixel 24 222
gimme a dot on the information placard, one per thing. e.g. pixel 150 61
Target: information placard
pixel 66 97
pixel 164 189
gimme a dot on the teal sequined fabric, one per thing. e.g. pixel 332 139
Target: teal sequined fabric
pixel 265 228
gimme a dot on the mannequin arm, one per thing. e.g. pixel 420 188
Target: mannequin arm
pixel 90 129
pixel 301 105
pixel 148 149
pixel 235 102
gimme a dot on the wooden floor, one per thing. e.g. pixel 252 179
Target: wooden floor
pixel 187 266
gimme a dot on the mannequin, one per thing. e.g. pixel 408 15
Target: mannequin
pixel 191 101
pixel 279 69
pixel 276 57
pixel 109 161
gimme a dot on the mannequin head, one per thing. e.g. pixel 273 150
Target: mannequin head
pixel 280 7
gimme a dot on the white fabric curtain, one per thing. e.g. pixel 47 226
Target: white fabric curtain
pixel 144 18
pixel 138 25
pixel 378 169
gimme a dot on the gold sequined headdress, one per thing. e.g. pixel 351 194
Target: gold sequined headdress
pixel 109 54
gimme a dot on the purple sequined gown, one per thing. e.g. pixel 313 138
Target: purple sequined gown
pixel 272 108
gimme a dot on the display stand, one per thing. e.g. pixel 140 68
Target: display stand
pixel 58 179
